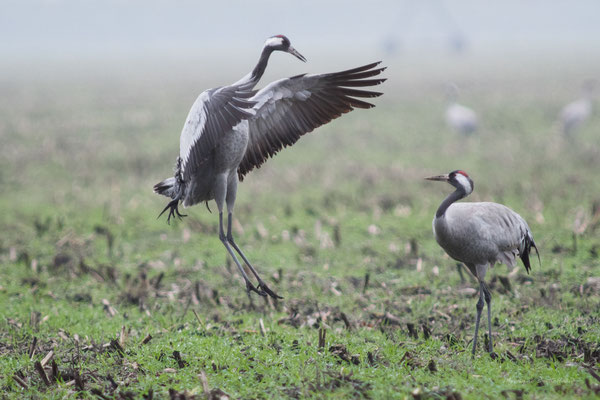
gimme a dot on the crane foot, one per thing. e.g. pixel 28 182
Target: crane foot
pixel 251 288
pixel 173 208
pixel 265 289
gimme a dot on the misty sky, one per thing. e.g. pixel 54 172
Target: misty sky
pixel 57 28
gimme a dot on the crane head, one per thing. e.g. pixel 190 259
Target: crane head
pixel 458 178
pixel 282 43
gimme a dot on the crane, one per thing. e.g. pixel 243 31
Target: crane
pixel 479 235
pixel 460 118
pixel 231 130
pixel 574 114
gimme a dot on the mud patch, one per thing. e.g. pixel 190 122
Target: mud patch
pixel 567 347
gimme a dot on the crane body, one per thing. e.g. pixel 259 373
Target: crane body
pixel 573 115
pixel 459 118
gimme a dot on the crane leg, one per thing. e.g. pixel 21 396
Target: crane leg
pixel 220 192
pixel 231 194
pixel 480 304
pixel 488 300
pixel 262 286
pixel 459 268
pixel 249 285
pixel 484 293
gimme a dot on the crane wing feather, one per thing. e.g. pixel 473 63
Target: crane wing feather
pixel 289 108
pixel 215 112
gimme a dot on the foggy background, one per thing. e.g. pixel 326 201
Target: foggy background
pixel 62 37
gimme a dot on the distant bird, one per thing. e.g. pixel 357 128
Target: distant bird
pixel 479 235
pixel 231 130
pixel 576 113
pixel 460 118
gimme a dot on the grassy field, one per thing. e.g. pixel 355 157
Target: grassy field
pixel 102 300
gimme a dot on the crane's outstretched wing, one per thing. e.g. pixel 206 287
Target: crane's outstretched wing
pixel 214 112
pixel 288 108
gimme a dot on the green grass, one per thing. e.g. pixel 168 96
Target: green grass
pixel 85 262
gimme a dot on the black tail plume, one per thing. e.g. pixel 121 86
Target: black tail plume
pixel 166 187
pixel 527 245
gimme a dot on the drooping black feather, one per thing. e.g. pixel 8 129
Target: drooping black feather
pixel 527 245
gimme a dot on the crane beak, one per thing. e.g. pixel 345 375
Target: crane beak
pixel 295 53
pixel 443 178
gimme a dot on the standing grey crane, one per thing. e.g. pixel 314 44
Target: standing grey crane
pixel 479 235
pixel 574 114
pixel 232 129
pixel 460 118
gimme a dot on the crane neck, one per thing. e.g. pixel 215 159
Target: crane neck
pixel 251 79
pixel 452 197
pixel 261 66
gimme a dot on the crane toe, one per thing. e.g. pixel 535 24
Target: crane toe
pixel 265 289
pixel 173 208
pixel 251 288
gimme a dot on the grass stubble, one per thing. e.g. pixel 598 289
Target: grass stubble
pixel 101 300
